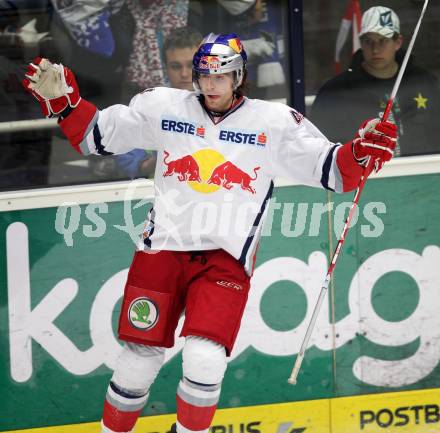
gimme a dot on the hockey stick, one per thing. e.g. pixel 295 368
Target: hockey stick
pixel 324 288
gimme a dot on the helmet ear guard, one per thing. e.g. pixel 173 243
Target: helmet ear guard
pixel 238 78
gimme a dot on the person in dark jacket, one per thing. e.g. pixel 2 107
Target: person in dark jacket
pixel 363 90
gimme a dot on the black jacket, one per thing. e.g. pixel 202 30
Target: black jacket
pixel 348 99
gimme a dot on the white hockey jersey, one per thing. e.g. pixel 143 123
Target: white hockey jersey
pixel 213 181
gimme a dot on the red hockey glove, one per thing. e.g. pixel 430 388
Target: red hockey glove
pixel 375 140
pixel 53 85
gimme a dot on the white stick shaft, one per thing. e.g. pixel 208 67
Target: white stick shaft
pixel 404 63
pixel 305 343
pixel 301 353
pixel 324 288
pixel 408 53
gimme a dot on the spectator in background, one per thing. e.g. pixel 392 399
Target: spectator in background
pixel 178 51
pixel 154 21
pixel 366 86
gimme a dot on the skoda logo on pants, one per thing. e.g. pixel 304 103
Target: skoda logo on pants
pixel 143 313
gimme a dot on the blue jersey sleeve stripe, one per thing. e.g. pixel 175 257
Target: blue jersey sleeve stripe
pixel 98 141
pixel 326 169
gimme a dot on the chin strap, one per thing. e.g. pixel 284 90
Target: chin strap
pixel 222 113
pixel 217 116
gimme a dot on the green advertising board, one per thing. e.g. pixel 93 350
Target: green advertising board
pixel 62 272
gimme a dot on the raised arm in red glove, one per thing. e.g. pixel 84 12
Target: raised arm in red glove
pixel 55 88
pixel 372 146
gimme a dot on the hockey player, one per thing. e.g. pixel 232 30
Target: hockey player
pixel 218 153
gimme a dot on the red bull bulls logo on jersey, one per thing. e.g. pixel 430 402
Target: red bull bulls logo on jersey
pixel 207 171
pixel 186 168
pixel 228 174
pixel 243 137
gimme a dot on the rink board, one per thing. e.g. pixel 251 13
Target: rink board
pixel 404 412
pixel 59 306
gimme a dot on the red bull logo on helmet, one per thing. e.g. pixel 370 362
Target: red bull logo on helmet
pixel 210 63
pixel 207 171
